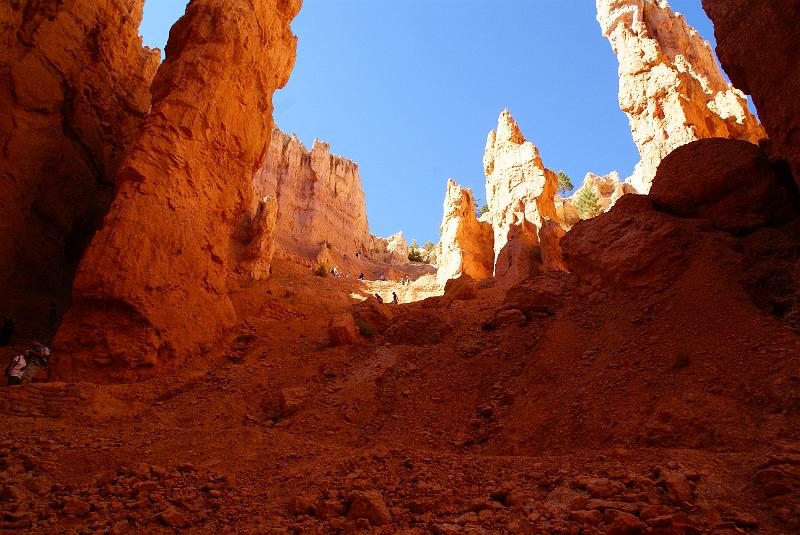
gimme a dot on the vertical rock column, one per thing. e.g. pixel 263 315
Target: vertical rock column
pixel 758 44
pixel 152 287
pixel 670 84
pixel 74 88
pixel 520 192
pixel 467 244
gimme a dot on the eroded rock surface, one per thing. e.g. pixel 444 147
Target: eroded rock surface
pixel 671 87
pixel 152 287
pixel 758 46
pixel 74 87
pixel 520 192
pixel 608 189
pixel 467 244
pixel 320 199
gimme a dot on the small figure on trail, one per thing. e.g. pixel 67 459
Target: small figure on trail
pixel 408 281
pixel 335 272
pixel 36 358
pixel 15 369
pixel 6 332
pixel 394 298
pixel 383 277
pixel 361 276
pixel 379 298
pixel 358 254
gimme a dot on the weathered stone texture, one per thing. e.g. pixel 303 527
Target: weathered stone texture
pixel 671 86
pixel 74 87
pixel 152 288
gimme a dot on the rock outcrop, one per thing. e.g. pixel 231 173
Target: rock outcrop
pixel 608 189
pixel 519 192
pixel 467 244
pixel 391 250
pixel 671 87
pixel 758 46
pixel 319 197
pixel 152 287
pixel 74 87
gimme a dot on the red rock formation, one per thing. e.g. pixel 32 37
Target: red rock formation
pixel 74 86
pixel 520 192
pixel 758 47
pixel 152 287
pixel 467 245
pixel 608 189
pixel 391 250
pixel 319 196
pixel 671 87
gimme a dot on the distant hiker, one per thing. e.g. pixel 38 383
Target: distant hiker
pixel 358 254
pixel 361 276
pixel 379 298
pixel 408 281
pixel 51 317
pixel 15 370
pixel 394 298
pixel 6 332
pixel 36 358
pixel 383 277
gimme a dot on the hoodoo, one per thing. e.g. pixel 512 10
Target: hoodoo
pixel 74 87
pixel 670 84
pixel 153 284
pixel 520 192
pixel 467 243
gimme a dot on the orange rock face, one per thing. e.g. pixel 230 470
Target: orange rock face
pixel 671 87
pixel 74 88
pixel 520 193
pixel 319 196
pixel 758 47
pixel 467 244
pixel 152 287
pixel 608 190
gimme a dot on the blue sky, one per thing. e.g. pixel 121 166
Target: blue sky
pixel 410 89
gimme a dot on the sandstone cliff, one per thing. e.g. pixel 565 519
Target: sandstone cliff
pixel 671 87
pixel 152 286
pixel 520 192
pixel 466 245
pixel 319 197
pixel 758 46
pixel 74 87
pixel 391 250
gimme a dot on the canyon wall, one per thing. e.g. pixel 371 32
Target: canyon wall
pixel 519 192
pixel 74 87
pixel 319 196
pixel 467 244
pixel 758 46
pixel 671 86
pixel 152 288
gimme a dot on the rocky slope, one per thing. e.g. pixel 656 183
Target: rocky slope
pixel 671 87
pixel 758 47
pixel 467 244
pixel 319 197
pixel 153 285
pixel 74 87
pixel 520 192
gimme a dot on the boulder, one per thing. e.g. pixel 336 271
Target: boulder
pixel 731 183
pixel 342 330
pixel 370 506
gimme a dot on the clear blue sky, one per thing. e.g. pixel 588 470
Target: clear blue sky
pixel 410 89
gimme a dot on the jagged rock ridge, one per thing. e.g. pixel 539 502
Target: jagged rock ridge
pixel 671 86
pixel 319 197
